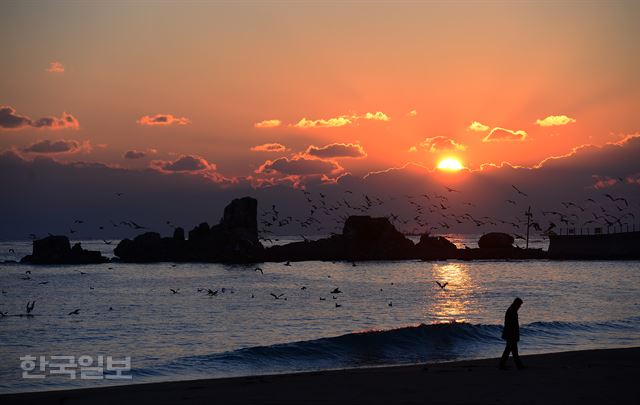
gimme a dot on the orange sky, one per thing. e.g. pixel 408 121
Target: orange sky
pixel 218 69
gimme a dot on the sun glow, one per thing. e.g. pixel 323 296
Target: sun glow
pixel 450 165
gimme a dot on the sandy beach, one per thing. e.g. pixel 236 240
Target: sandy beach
pixel 585 377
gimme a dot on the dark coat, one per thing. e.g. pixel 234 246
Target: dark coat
pixel 511 330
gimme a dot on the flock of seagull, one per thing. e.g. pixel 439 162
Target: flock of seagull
pixel 423 213
pixel 431 211
pixel 208 291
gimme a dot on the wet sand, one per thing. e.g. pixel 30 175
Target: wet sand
pixel 581 377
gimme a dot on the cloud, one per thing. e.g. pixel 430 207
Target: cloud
pixel 268 124
pixel 438 144
pixel 60 146
pixel 66 121
pixel 502 134
pixel 299 166
pixel 555 120
pixel 603 181
pixel 9 119
pixel 153 196
pixel 163 119
pixel 269 147
pixel 184 164
pixel 377 116
pixel 341 120
pixel 478 127
pixel 55 67
pixel 412 113
pixel 134 154
pixel 324 123
pixel 337 150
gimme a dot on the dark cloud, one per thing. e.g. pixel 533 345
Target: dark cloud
pixel 163 119
pixel 300 166
pixel 59 146
pixel 269 147
pixel 185 163
pixel 152 196
pixel 134 154
pixel 9 119
pixel 337 150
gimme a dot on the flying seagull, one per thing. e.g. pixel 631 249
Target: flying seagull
pixel 74 312
pixel 443 285
pixel 519 192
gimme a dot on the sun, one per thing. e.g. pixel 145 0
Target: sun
pixel 450 165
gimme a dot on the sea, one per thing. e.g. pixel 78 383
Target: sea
pixel 385 313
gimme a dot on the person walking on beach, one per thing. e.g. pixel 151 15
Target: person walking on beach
pixel 511 333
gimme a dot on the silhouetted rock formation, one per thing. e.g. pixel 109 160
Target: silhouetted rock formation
pixel 363 238
pixel 234 239
pixel 58 250
pixel 496 240
pixel 435 247
pixel 499 246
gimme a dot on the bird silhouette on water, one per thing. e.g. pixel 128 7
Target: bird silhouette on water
pixel 442 285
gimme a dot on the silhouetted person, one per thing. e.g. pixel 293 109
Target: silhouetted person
pixel 511 333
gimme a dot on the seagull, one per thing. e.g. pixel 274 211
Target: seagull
pixel 277 296
pixel 336 291
pixel 74 312
pixel 390 303
pixel 338 305
pixel 107 242
pixel 258 269
pixel 443 285
pixel 174 291
pixel 81 272
pixel 211 292
pixel 288 263
pixel 43 282
pixel 322 299
pixel 519 192
pixel 303 288
pixel 30 306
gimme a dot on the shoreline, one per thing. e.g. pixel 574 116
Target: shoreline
pixel 586 376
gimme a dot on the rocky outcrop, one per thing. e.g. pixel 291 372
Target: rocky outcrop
pixel 234 239
pixel 496 240
pixel 57 250
pixel 435 247
pixel 362 238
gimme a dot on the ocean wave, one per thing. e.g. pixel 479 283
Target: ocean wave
pixel 420 343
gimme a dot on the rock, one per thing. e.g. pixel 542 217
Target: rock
pixel 56 249
pixel 496 240
pixel 178 234
pixel 234 239
pixel 435 247
pixel 367 238
pixel 362 238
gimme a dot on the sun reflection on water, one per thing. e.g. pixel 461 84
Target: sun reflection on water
pixel 456 301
